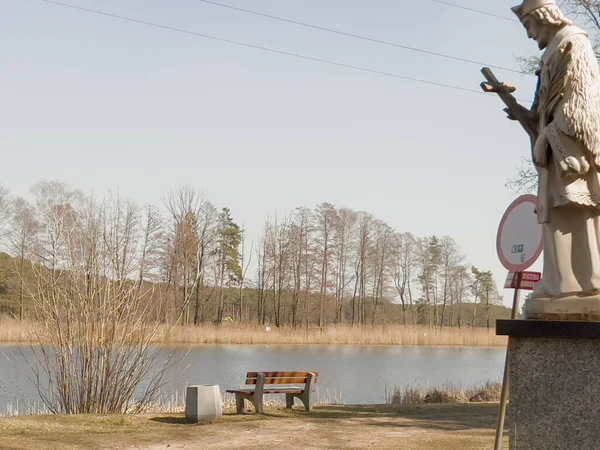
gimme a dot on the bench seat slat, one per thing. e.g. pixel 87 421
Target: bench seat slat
pixel 268 380
pixel 267 391
pixel 280 374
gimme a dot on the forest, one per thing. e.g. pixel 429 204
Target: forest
pixel 187 261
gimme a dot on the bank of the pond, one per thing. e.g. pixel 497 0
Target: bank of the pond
pixel 13 331
pixel 422 427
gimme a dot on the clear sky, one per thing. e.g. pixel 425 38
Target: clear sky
pixel 104 104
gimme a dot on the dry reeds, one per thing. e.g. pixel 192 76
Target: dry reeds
pixel 410 335
pixel 13 331
pixel 448 393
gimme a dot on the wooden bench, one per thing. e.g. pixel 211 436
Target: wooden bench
pixel 264 379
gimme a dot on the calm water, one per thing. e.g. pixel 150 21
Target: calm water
pixel 360 374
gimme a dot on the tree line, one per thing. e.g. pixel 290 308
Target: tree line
pixel 195 263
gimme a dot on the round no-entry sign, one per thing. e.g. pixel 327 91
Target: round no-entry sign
pixel 519 241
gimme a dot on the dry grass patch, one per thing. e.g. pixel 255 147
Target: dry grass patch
pixel 420 427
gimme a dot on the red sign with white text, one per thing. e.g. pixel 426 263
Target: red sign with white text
pixel 528 280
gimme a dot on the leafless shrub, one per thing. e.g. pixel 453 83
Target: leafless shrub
pixel 93 341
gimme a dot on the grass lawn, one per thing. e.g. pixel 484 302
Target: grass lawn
pixel 423 427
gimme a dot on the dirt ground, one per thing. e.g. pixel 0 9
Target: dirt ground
pixel 448 427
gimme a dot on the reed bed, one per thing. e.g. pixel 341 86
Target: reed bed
pixel 13 331
pixel 447 393
pixel 409 335
pixel 16 408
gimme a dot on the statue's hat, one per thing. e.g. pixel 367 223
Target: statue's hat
pixel 530 5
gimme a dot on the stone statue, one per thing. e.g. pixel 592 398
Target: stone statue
pixel 565 118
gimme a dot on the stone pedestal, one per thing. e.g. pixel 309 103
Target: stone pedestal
pixel 203 403
pixel 554 384
pixel 566 308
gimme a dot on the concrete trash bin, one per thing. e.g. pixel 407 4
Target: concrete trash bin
pixel 203 403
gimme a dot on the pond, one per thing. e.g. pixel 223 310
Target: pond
pixel 352 374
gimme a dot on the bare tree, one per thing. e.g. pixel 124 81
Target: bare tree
pixel 299 241
pixel 5 209
pixel 310 263
pixel 380 261
pixel 152 238
pixel 96 344
pixel 404 270
pixel 362 248
pixel 278 247
pixel 324 217
pixel 344 224
pixel 207 232
pixel 525 180
pixel 588 11
pixel 245 265
pixel 429 266
pixel 451 260
pixel 120 233
pixel 22 232
pixel 193 232
pixel 262 275
pixel 56 206
pixel 462 282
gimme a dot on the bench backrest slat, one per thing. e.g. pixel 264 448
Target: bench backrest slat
pixel 281 377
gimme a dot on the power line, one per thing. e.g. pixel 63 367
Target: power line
pixel 478 11
pixel 357 36
pixel 267 49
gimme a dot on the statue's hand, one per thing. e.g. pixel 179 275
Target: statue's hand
pixel 510 114
pixel 572 165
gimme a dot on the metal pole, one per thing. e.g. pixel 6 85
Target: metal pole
pixel 504 392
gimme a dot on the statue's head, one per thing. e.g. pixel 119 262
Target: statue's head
pixel 542 19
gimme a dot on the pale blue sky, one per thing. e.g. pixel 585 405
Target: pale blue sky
pixel 105 104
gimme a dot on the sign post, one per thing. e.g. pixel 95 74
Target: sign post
pixel 519 244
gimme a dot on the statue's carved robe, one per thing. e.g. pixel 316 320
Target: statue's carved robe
pixel 568 106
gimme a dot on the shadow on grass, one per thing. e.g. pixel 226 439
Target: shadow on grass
pixel 171 420
pixel 447 417
pixel 442 417
pixel 227 416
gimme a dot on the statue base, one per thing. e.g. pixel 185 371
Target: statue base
pixel 554 372
pixel 573 308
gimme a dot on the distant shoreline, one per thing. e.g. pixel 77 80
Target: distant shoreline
pixel 14 332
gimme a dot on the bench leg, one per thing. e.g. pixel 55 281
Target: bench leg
pixel 257 396
pixel 307 399
pixel 257 401
pixel 239 403
pixel 289 401
pixel 307 395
